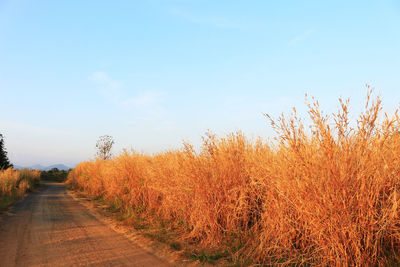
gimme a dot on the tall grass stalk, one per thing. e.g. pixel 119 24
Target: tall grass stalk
pixel 329 196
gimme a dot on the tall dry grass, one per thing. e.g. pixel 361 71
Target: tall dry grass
pixel 328 195
pixel 15 183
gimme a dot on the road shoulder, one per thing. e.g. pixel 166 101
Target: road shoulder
pixel 162 250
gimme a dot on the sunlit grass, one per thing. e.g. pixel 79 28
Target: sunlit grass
pixel 15 183
pixel 325 196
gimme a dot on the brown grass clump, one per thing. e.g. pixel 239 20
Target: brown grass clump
pixel 325 196
pixel 15 183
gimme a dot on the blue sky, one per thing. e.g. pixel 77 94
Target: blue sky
pixel 153 73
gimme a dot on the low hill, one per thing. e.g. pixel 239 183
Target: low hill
pixel 44 168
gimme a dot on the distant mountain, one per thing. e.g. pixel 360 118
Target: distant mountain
pixel 17 166
pixel 37 167
pixel 44 168
pixel 58 166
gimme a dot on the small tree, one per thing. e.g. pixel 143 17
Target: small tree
pixel 4 161
pixel 103 146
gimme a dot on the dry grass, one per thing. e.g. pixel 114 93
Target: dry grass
pixel 15 183
pixel 325 196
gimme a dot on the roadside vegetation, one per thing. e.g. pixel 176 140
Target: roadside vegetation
pixel 54 175
pixel 15 183
pixel 328 195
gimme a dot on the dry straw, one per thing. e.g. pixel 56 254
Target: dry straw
pixel 15 183
pixel 325 197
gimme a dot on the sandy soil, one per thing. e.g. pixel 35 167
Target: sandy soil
pixel 50 228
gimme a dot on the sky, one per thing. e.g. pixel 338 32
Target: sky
pixel 155 73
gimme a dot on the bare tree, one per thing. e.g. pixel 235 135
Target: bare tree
pixel 103 146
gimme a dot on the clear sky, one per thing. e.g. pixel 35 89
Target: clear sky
pixel 154 73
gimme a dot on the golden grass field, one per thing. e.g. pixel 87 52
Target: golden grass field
pixel 324 195
pixel 15 183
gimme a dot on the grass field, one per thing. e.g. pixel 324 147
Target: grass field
pixel 324 195
pixel 15 183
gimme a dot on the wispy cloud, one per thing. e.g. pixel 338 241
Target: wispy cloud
pixel 108 87
pixel 147 104
pixel 102 78
pixel 301 37
pixel 143 100
pixel 33 129
pixel 219 22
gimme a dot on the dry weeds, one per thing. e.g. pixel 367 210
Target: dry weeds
pixel 324 196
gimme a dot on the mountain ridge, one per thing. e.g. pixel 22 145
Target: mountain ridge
pixel 44 168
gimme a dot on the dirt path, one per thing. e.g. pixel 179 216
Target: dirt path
pixel 50 228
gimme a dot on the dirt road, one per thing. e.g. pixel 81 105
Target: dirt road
pixel 50 228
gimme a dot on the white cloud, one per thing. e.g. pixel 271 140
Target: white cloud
pixel 101 78
pixel 144 100
pixel 32 129
pixel 146 104
pixel 301 37
pixel 219 22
